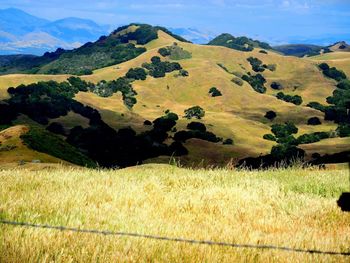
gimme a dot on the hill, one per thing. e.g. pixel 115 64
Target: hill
pixel 340 46
pixel 281 207
pixel 237 117
pixel 238 43
pixel 301 50
pixel 118 47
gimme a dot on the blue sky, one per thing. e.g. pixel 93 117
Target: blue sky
pixel 270 20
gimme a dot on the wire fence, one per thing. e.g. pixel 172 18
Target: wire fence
pixel 172 239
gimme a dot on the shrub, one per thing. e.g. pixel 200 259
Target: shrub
pixel 269 137
pixel 296 99
pixel 194 112
pixel 214 92
pixel 271 67
pixel 276 86
pixel 316 106
pixel 165 52
pixel 314 121
pixel 344 84
pixel 332 72
pixel 284 130
pixel 263 51
pixel 147 123
pixel 136 73
pixel 312 137
pixel 270 115
pixel 158 69
pixel 228 142
pixel 237 81
pixel 183 73
pixel 175 52
pixel 344 130
pixel 256 64
pixel 196 126
pixel 256 82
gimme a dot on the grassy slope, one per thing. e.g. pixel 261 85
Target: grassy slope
pixel 238 114
pixel 10 138
pixel 295 208
pixel 340 60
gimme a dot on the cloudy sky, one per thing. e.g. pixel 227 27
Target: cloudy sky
pixel 270 20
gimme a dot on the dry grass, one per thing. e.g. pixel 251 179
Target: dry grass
pixel 291 207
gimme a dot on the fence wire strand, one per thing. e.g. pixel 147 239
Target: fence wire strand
pixel 172 239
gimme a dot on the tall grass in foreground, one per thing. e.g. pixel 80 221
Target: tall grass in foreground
pixel 286 207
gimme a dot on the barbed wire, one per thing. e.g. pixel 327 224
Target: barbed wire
pixel 172 239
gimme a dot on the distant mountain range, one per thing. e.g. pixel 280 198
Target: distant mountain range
pixel 22 33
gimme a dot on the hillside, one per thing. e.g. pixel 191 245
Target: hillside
pixel 238 114
pixel 238 43
pixel 301 50
pixel 287 208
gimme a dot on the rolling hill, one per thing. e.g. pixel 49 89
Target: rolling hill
pixel 238 114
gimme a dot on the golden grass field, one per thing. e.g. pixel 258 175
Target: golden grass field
pixel 289 207
pixel 238 114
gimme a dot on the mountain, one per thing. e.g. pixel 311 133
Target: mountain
pixel 194 35
pixel 17 22
pixel 238 43
pixel 22 33
pixel 301 50
pixel 200 104
pixel 340 46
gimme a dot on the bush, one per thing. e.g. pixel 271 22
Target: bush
pixel 237 81
pixel 284 130
pixel 196 126
pixel 256 82
pixel 228 142
pixel 183 73
pixel 175 52
pixel 344 130
pixel 276 86
pixel 312 137
pixel 344 84
pixel 214 92
pixel 332 72
pixel 256 64
pixel 194 112
pixel 263 51
pixel 165 52
pixel 270 115
pixel 314 121
pixel 147 123
pixel 296 99
pixel 269 137
pixel 136 74
pixel 316 106
pixel 271 67
pixel 158 69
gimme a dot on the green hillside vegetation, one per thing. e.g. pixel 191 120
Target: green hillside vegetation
pixel 238 43
pixel 43 141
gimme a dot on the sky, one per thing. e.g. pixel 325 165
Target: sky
pixel 275 21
